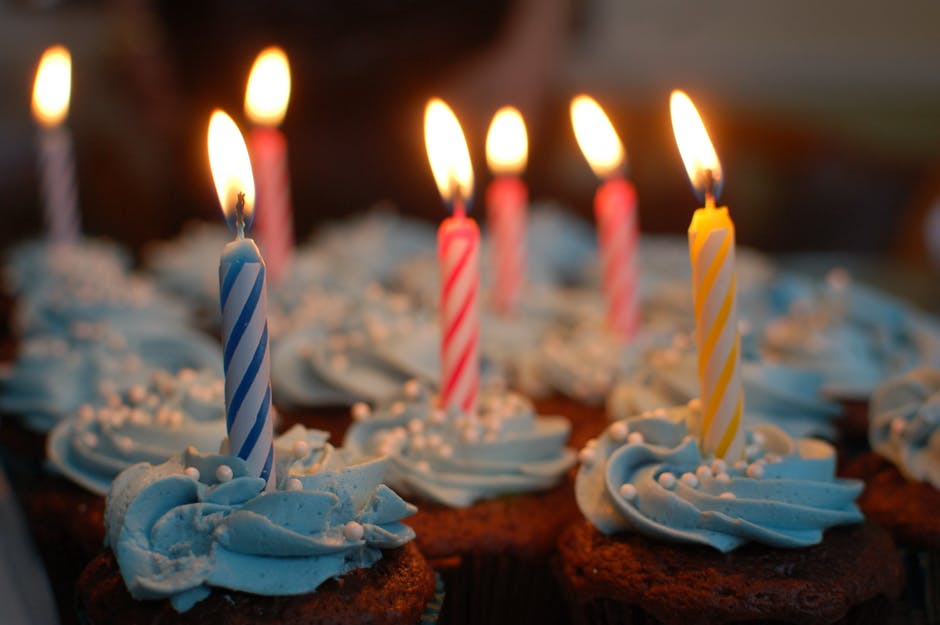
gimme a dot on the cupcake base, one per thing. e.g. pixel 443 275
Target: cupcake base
pixel 494 556
pixel 850 577
pixel 587 421
pixel 396 590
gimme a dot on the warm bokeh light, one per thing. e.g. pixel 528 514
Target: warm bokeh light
pixel 231 167
pixel 698 153
pixel 507 145
pixel 268 90
pixel 596 136
pixel 447 152
pixel 53 87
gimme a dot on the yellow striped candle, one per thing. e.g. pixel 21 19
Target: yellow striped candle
pixel 711 251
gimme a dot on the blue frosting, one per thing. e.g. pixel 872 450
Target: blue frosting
pixel 145 424
pixel 178 534
pixel 37 264
pixel 456 459
pixel 646 475
pixel 905 424
pixel 53 376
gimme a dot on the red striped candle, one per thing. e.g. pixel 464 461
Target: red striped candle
pixel 266 99
pixel 615 212
pixel 506 204
pixel 458 244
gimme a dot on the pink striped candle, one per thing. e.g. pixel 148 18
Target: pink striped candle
pixel 266 99
pixel 458 243
pixel 616 215
pixel 506 206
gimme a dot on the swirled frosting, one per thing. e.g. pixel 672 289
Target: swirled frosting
pixel 646 475
pixel 144 424
pixel 905 424
pixel 199 521
pixel 38 263
pixel 52 376
pixel 456 459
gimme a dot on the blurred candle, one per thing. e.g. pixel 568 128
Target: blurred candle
pixel 243 293
pixel 615 212
pixel 711 250
pixel 51 94
pixel 266 99
pixel 458 245
pixel 506 199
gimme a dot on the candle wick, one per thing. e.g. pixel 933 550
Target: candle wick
pixel 240 216
pixel 709 189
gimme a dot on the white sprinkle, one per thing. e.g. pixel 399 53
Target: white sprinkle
pixel 591 442
pixel 434 440
pixel 587 456
pixel 224 473
pixel 294 484
pixel 423 466
pixel 418 442
pixel 400 433
pixel 397 408
pixel 772 458
pixel 752 451
pixel 86 413
pixel 727 495
pixel 618 431
pixel 186 375
pixel 759 439
pixel 755 471
pixel 445 451
pixel 724 478
pixel 667 480
pixel 635 438
pixel 339 362
pixel 703 472
pixel 90 439
pixel 192 472
pixel 137 393
pixel 898 425
pixel 740 465
pixel 628 492
pixel 660 412
pixel 694 404
pixel 300 449
pixel 689 479
pixel 437 416
pixel 719 466
pixel 470 435
pixel 360 411
pixel 415 425
pixel 412 389
pixel 353 531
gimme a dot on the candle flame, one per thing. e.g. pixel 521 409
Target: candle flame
pixel 596 136
pixel 507 145
pixel 231 167
pixel 698 153
pixel 53 87
pixel 268 90
pixel 447 152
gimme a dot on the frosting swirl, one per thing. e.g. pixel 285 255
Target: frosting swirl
pixel 456 459
pixel 198 521
pixel 646 475
pixel 144 424
pixel 905 424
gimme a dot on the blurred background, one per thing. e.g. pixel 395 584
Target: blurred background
pixel 826 114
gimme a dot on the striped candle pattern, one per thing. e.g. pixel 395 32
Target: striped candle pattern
pixel 274 228
pixel 247 360
pixel 711 249
pixel 506 219
pixel 59 191
pixel 458 250
pixel 615 212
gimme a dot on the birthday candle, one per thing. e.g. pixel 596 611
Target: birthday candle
pixel 615 213
pixel 50 104
pixel 458 250
pixel 243 294
pixel 506 199
pixel 711 251
pixel 266 98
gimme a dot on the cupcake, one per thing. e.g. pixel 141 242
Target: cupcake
pixel 196 539
pixel 492 496
pixel 902 476
pixel 670 536
pixel 147 423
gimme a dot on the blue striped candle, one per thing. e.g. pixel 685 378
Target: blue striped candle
pixel 243 295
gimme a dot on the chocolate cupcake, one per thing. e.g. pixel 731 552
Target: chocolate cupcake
pixel 673 537
pixel 197 538
pixel 492 498
pixel 902 476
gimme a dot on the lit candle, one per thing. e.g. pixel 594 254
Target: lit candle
pixel 615 212
pixel 458 244
pixel 243 294
pixel 51 94
pixel 506 199
pixel 711 250
pixel 266 98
